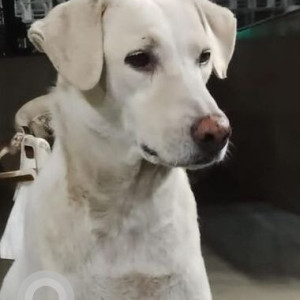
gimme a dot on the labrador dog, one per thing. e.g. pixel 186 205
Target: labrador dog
pixel 112 211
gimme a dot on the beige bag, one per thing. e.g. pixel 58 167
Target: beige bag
pixel 12 240
pixel 34 117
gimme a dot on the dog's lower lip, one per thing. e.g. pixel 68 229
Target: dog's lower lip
pixel 198 163
pixel 149 150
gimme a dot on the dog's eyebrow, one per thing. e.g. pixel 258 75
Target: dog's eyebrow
pixel 198 47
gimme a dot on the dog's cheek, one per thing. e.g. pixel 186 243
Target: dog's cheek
pixel 206 72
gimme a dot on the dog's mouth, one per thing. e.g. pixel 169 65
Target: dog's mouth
pixel 149 151
pixel 196 162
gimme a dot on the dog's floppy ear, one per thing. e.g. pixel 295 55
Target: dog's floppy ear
pixel 220 24
pixel 71 36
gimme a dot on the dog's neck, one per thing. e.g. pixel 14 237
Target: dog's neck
pixel 101 159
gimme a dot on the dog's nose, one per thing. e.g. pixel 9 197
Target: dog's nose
pixel 211 133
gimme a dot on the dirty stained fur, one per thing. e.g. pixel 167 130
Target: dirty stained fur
pixel 111 211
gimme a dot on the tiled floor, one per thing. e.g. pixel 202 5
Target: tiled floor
pixel 229 284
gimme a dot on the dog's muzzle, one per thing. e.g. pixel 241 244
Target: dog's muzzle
pixel 209 139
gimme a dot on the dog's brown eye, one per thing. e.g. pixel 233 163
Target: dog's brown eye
pixel 140 60
pixel 204 57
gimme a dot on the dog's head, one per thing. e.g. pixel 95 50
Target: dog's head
pixel 158 57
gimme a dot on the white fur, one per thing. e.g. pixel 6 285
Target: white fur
pixel 118 223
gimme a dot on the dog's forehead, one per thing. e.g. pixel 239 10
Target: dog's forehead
pixel 151 20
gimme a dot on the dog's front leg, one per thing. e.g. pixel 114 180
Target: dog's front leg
pixel 193 285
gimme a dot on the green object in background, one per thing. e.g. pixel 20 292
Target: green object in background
pixel 257 31
pixel 281 26
pixel 245 34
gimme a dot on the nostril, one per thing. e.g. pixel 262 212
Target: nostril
pixel 208 138
pixel 211 133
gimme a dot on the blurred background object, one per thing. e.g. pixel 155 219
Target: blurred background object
pixel 17 15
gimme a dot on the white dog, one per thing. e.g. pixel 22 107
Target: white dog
pixel 113 211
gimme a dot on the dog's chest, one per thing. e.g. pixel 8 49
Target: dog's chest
pixel 116 246
pixel 137 241
pixel 131 286
pixel 118 239
pixel 137 262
